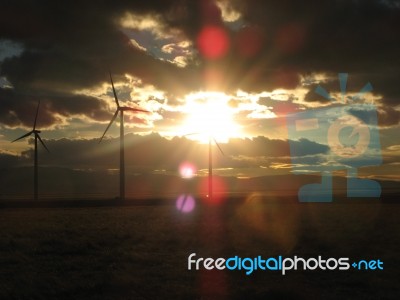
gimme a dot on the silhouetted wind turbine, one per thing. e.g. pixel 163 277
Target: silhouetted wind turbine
pixel 210 185
pixel 210 168
pixel 120 110
pixel 35 132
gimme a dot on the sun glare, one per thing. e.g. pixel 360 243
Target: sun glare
pixel 209 115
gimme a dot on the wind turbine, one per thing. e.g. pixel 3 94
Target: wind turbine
pixel 210 185
pixel 35 132
pixel 210 168
pixel 120 110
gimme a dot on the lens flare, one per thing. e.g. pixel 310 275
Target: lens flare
pixel 187 170
pixel 269 218
pixel 213 42
pixel 185 203
pixel 249 41
pixel 219 190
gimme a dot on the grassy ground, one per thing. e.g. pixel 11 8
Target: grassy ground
pixel 140 252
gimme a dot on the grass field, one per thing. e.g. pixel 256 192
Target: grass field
pixel 141 251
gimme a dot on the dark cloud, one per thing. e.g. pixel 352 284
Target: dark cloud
pixel 69 45
pixel 262 146
pixel 357 37
pixel 72 45
pixel 383 84
pixel 155 152
pixel 8 160
pixel 280 108
pixel 19 108
pixel 388 116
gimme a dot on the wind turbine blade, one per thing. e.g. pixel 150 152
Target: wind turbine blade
pixel 136 109
pixel 37 112
pixel 40 139
pixel 115 93
pixel 112 120
pixel 21 137
pixel 219 147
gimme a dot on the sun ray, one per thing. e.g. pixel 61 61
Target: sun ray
pixel 209 114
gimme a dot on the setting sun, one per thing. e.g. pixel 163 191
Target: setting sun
pixel 209 114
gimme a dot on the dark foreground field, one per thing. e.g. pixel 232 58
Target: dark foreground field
pixel 141 251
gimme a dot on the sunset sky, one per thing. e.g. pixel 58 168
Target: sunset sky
pixel 233 69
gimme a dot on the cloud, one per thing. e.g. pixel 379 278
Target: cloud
pixel 262 146
pixel 388 116
pixel 150 152
pixel 70 46
pixel 8 160
pixel 149 22
pixel 9 49
pixel 154 154
pixel 137 45
pixel 337 36
pixel 228 13
pixel 18 108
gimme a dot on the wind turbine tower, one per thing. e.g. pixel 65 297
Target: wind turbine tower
pixel 120 110
pixel 210 161
pixel 210 169
pixel 36 133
